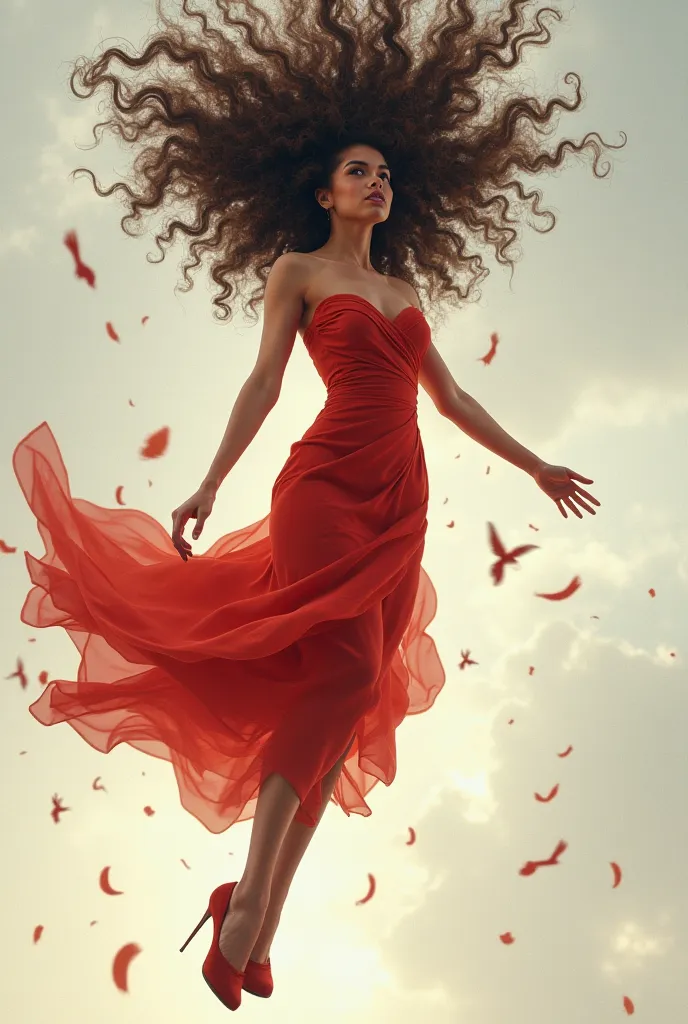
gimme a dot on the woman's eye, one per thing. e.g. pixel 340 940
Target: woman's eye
pixel 384 173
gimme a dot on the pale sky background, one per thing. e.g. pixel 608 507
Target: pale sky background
pixel 591 372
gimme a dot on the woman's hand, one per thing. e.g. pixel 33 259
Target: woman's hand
pixel 558 483
pixel 198 507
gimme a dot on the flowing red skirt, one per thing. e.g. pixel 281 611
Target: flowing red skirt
pixel 267 653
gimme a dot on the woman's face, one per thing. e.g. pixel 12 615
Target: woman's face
pixel 362 171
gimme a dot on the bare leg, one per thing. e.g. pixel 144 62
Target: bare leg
pixel 294 846
pixel 275 809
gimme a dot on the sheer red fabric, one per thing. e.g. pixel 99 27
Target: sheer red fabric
pixel 285 639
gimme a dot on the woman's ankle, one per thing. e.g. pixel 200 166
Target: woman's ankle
pixel 261 949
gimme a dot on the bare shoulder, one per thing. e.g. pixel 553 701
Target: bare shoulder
pixel 292 271
pixel 407 290
pixel 292 263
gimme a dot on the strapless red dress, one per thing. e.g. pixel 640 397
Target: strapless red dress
pixel 286 638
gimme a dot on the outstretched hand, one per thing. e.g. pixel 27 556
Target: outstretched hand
pixel 559 484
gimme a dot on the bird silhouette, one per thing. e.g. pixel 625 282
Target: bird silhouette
pixel 58 808
pixel 466 660
pixel 20 674
pixel 504 557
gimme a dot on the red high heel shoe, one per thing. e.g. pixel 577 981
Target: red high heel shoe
pixel 223 980
pixel 258 978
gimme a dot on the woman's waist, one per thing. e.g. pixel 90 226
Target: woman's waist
pixel 376 393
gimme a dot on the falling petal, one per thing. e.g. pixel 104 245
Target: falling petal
pixel 104 882
pixel 561 595
pixel 371 891
pixel 550 796
pixel 156 444
pixel 120 965
pixel 487 359
pixel 531 866
pixel 81 270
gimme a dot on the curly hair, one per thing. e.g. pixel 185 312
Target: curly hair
pixel 245 143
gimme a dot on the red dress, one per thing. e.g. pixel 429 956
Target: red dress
pixel 286 638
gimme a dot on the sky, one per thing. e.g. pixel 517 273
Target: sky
pixel 592 373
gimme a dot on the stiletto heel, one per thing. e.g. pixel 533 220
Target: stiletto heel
pixel 196 929
pixel 258 978
pixel 222 979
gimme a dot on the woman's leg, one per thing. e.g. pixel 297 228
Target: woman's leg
pixel 275 809
pixel 294 845
pixel 354 653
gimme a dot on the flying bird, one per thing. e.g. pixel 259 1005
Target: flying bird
pixel 504 557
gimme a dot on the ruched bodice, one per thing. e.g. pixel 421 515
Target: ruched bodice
pixel 364 357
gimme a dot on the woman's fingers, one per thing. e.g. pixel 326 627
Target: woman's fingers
pixel 584 504
pixel 573 507
pixel 181 544
pixel 586 494
pixel 577 476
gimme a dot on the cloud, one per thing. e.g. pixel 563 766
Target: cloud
pixel 580 945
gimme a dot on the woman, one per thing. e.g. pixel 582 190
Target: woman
pixel 273 671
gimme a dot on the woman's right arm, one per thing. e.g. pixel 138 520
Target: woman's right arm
pixel 283 310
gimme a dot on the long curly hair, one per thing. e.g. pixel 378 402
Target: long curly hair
pixel 243 140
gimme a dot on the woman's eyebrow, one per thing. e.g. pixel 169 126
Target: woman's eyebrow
pixel 365 163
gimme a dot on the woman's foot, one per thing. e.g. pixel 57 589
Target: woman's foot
pixel 240 930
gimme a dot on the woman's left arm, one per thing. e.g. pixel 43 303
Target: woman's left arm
pixel 558 482
pixel 470 417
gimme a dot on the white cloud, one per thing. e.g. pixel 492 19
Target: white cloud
pixel 579 944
